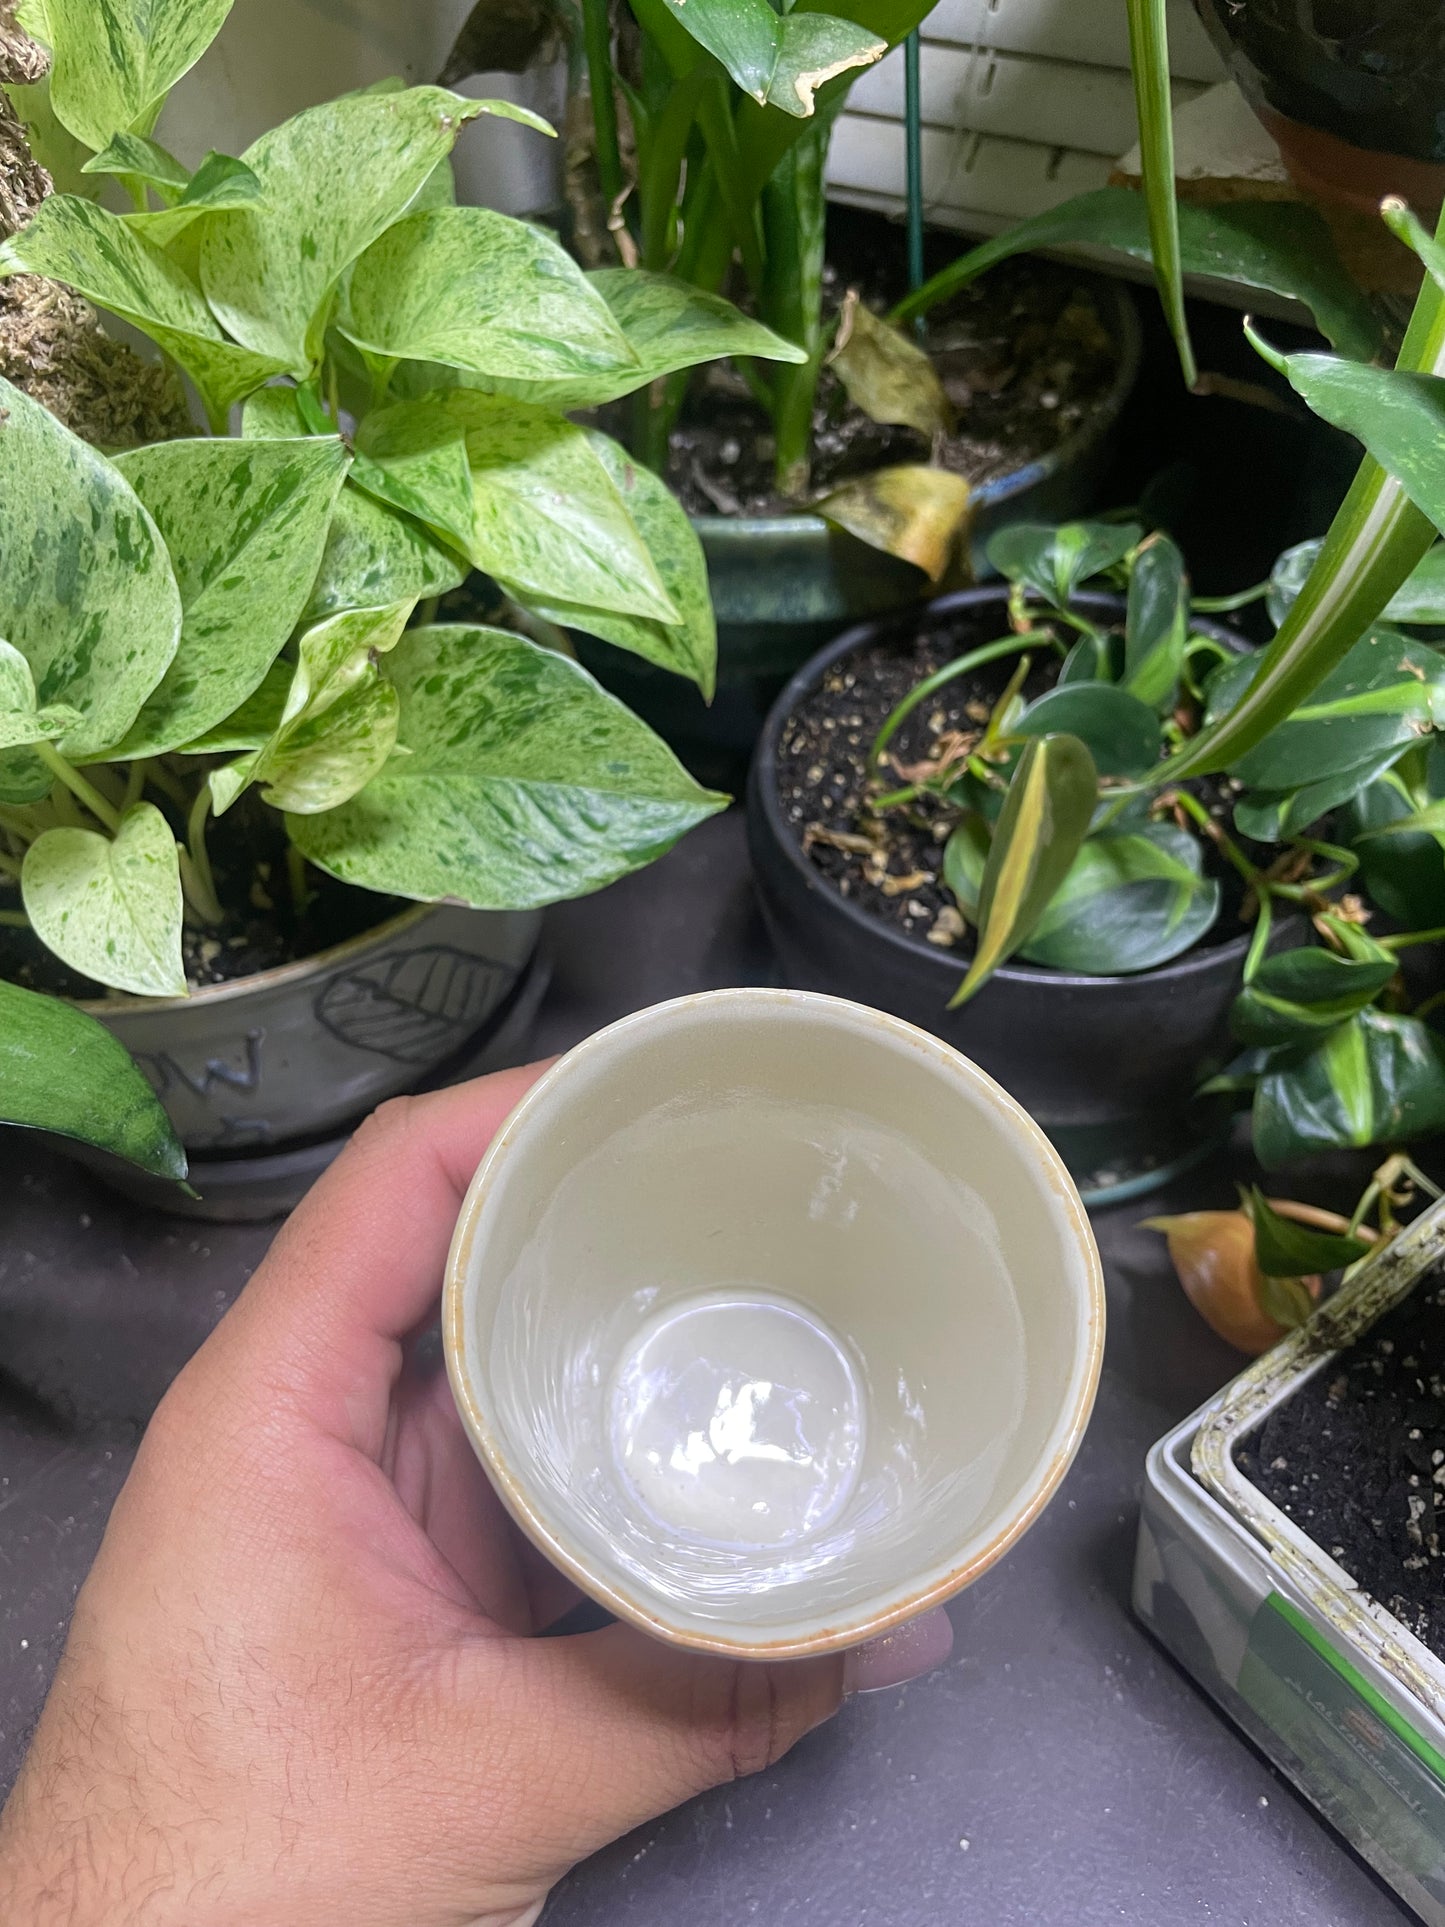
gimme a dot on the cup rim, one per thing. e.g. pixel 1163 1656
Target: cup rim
pixel 905 1602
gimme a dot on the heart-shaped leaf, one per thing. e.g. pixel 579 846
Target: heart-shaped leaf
pixel 413 456
pixel 22 720
pixel 87 594
pixel 1122 733
pixel 1040 829
pixel 62 1071
pixel 245 523
pixel 778 59
pixel 116 60
pixel 1128 903
pixel 1054 562
pixel 111 907
pixel 913 511
pixel 522 782
pixel 1297 995
pixel 1157 624
pixel 97 254
pixel 375 555
pixel 1269 816
pixel 886 375
pixel 1375 1079
pixel 1286 1249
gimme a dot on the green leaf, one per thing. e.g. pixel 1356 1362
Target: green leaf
pixel 413 457
pixel 252 723
pixel 245 523
pixel 1404 875
pixel 333 179
pixel 546 513
pixel 111 907
pixel 1087 661
pixel 1149 62
pixel 1054 562
pixel 523 782
pixel 375 555
pixel 1040 829
pixel 98 255
pixel 1285 1249
pixel 87 594
pixel 131 157
pixel 1282 247
pixel 1157 624
pixel 779 60
pixel 62 1071
pixel 22 720
pixel 1121 733
pixel 116 60
pixel 1422 599
pixel 1128 903
pixel 476 290
pixel 688 648
pixel 1406 227
pixel 1297 995
pixel 1269 816
pixel 219 183
pixel 1376 1079
pixel 338 725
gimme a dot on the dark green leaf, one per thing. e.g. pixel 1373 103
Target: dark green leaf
pixel 1055 561
pixel 1289 1250
pixel 1298 994
pixel 1087 661
pixel 1129 903
pixel 778 59
pixel 1122 733
pixel 1404 875
pixel 1270 816
pixel 1376 1079
pixel 1422 599
pixel 1157 624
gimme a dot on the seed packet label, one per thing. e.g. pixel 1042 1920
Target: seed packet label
pixel 1366 1766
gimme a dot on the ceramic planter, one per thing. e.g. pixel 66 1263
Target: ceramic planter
pixel 782 586
pixel 1107 1065
pixel 1344 1699
pixel 263 1076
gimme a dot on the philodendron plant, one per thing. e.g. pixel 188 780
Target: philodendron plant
pixel 1078 843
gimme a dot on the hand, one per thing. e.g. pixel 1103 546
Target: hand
pixel 302 1685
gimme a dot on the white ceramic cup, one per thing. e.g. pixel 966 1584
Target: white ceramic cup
pixel 773 1320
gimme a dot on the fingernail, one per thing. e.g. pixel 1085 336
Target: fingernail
pixel 905 1653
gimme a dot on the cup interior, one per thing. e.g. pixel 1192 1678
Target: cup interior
pixel 773 1319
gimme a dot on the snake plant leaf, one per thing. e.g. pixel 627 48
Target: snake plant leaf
pixel 1280 247
pixel 522 781
pixel 1375 1079
pixel 1122 734
pixel 133 158
pixel 220 182
pixel 22 720
pixel 1386 693
pixel 1154 107
pixel 1040 830
pixel 62 1071
pixel 1056 561
pixel 374 555
pixel 1289 1250
pixel 116 60
pixel 477 290
pixel 1403 873
pixel 73 241
pixel 110 907
pixel 777 59
pixel 911 510
pixel 689 647
pixel 413 457
pixel 1157 624
pixel 885 374
pixel 1297 995
pixel 1269 816
pixel 338 724
pixel 546 514
pixel 333 179
pixel 1420 600
pixel 87 593
pixel 245 524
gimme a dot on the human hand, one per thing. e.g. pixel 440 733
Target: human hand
pixel 301 1685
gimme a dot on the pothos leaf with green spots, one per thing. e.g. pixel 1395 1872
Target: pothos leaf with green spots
pixel 413 457
pixel 517 781
pixel 116 60
pixel 219 183
pixel 22 720
pixel 87 593
pixel 375 554
pixel 110 907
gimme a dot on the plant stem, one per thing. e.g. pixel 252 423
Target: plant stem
pixel 296 877
pixel 9 866
pixel 1403 939
pixel 1191 806
pixel 207 903
pixel 1223 605
pixel 1259 942
pixel 597 41
pixel 14 919
pixel 79 788
pixel 161 777
pixel 135 782
pixel 973 659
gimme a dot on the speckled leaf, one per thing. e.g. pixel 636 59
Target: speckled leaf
pixel 779 59
pixel 333 179
pixel 111 907
pixel 62 1071
pixel 273 414
pixel 375 555
pixel 87 594
pixel 546 513
pixel 95 253
pixel 689 647
pixel 523 783
pixel 116 60
pixel 131 157
pixel 252 722
pixel 480 291
pixel 220 182
pixel 413 456
pixel 22 720
pixel 245 523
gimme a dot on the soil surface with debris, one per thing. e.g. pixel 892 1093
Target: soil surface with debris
pixel 1356 1458
pixel 1023 353
pixel 262 929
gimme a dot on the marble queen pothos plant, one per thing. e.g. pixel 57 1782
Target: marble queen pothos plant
pixel 236 611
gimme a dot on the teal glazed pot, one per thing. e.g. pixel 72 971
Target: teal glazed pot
pixel 783 586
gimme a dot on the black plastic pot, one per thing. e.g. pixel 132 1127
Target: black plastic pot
pixel 1108 1066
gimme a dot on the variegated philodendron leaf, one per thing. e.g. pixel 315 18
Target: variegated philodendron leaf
pixel 476 290
pixel 689 647
pixel 779 59
pixel 110 907
pixel 245 523
pixel 73 241
pixel 87 593
pixel 413 456
pixel 338 726
pixel 22 720
pixel 333 179
pixel 521 783
pixel 116 60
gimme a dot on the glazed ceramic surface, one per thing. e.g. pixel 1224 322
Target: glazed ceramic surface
pixel 773 1319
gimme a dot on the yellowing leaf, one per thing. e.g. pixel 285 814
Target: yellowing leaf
pixel 918 513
